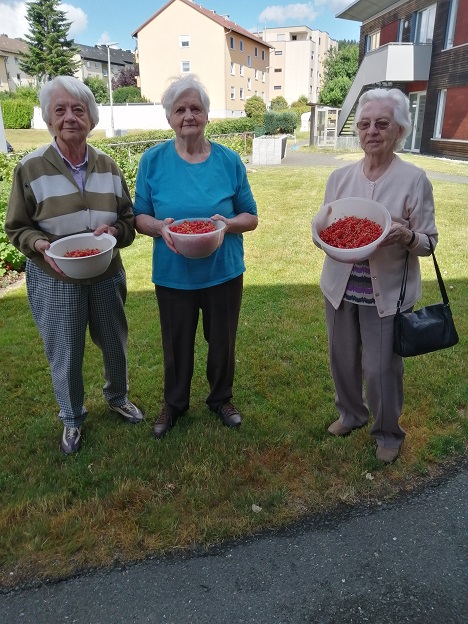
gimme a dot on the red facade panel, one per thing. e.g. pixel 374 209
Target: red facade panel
pixel 389 33
pixel 455 124
pixel 461 28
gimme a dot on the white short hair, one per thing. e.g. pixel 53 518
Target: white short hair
pixel 73 86
pixel 179 85
pixel 400 105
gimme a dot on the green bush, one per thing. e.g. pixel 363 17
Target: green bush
pixel 10 257
pixel 280 123
pixel 127 94
pixel 17 114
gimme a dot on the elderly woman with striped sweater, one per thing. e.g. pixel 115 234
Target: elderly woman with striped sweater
pixel 65 188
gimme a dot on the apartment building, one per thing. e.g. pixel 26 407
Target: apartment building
pixel 11 76
pixel 296 63
pixel 183 37
pixel 93 62
pixel 420 47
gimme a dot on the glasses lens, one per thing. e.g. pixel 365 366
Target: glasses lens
pixel 379 124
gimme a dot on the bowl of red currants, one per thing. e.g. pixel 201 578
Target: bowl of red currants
pixel 196 237
pixel 350 229
pixel 83 256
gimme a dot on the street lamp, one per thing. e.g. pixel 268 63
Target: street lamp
pixel 108 45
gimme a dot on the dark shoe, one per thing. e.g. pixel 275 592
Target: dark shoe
pixel 228 414
pixel 166 420
pixel 387 455
pixel 130 412
pixel 338 429
pixel 71 440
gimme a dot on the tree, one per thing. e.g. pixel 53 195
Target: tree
pixel 255 107
pixel 99 88
pixel 126 77
pixel 50 52
pixel 278 103
pixel 340 67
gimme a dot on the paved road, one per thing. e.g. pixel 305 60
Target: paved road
pixel 392 563
pixel 296 158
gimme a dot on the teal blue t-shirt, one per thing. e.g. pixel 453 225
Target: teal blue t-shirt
pixel 168 186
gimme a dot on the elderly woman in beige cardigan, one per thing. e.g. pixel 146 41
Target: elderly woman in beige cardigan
pixel 361 299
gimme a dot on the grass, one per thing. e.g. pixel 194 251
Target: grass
pixel 126 496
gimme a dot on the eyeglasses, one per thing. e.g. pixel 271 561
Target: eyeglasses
pixel 379 124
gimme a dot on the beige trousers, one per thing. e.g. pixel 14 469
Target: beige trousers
pixel 368 375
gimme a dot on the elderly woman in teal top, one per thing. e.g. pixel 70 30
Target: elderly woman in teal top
pixel 193 177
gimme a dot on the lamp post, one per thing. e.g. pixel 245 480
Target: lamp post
pixel 108 45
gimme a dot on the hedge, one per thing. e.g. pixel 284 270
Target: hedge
pixel 17 114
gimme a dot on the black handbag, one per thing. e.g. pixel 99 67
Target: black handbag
pixel 425 330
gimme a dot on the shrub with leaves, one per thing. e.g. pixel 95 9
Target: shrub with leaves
pixel 10 257
pixel 284 122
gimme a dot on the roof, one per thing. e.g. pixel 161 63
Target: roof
pixel 15 46
pixel 219 19
pixel 99 53
pixel 363 10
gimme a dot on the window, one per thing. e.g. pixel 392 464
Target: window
pixel 16 60
pixel 263 55
pixel 185 67
pixel 451 24
pixel 241 93
pixel 96 65
pixel 249 61
pixel 277 70
pixel 104 72
pixel 440 113
pixel 372 41
pixel 263 95
pixel 256 52
pixel 231 44
pixel 88 64
pixel 425 25
pixel 233 69
pixel 263 76
pixel 256 74
pixel 277 87
pixel 249 84
pixel 241 70
pixel 294 37
pixel 278 53
pixel 256 93
pixel 185 41
pixel 233 93
pixel 241 45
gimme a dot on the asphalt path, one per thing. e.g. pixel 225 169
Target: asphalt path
pixel 398 562
pixel 404 561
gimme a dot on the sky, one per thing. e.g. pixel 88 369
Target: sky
pixel 113 21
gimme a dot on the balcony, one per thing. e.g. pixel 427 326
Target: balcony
pixel 393 62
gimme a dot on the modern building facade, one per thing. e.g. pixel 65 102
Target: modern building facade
pixel 421 47
pixel 296 62
pixel 183 37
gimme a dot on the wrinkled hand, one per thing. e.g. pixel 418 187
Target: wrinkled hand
pixel 397 235
pixel 41 245
pixel 218 217
pixel 106 229
pixel 166 235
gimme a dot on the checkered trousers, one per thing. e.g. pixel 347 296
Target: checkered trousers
pixel 62 312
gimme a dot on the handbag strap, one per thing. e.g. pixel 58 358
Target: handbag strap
pixel 443 291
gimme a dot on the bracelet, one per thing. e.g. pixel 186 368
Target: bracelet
pixel 412 239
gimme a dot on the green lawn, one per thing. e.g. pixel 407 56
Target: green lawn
pixel 125 495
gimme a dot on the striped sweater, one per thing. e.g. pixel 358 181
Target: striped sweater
pixel 46 203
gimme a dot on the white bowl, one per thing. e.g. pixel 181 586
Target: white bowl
pixel 196 245
pixel 348 207
pixel 88 266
